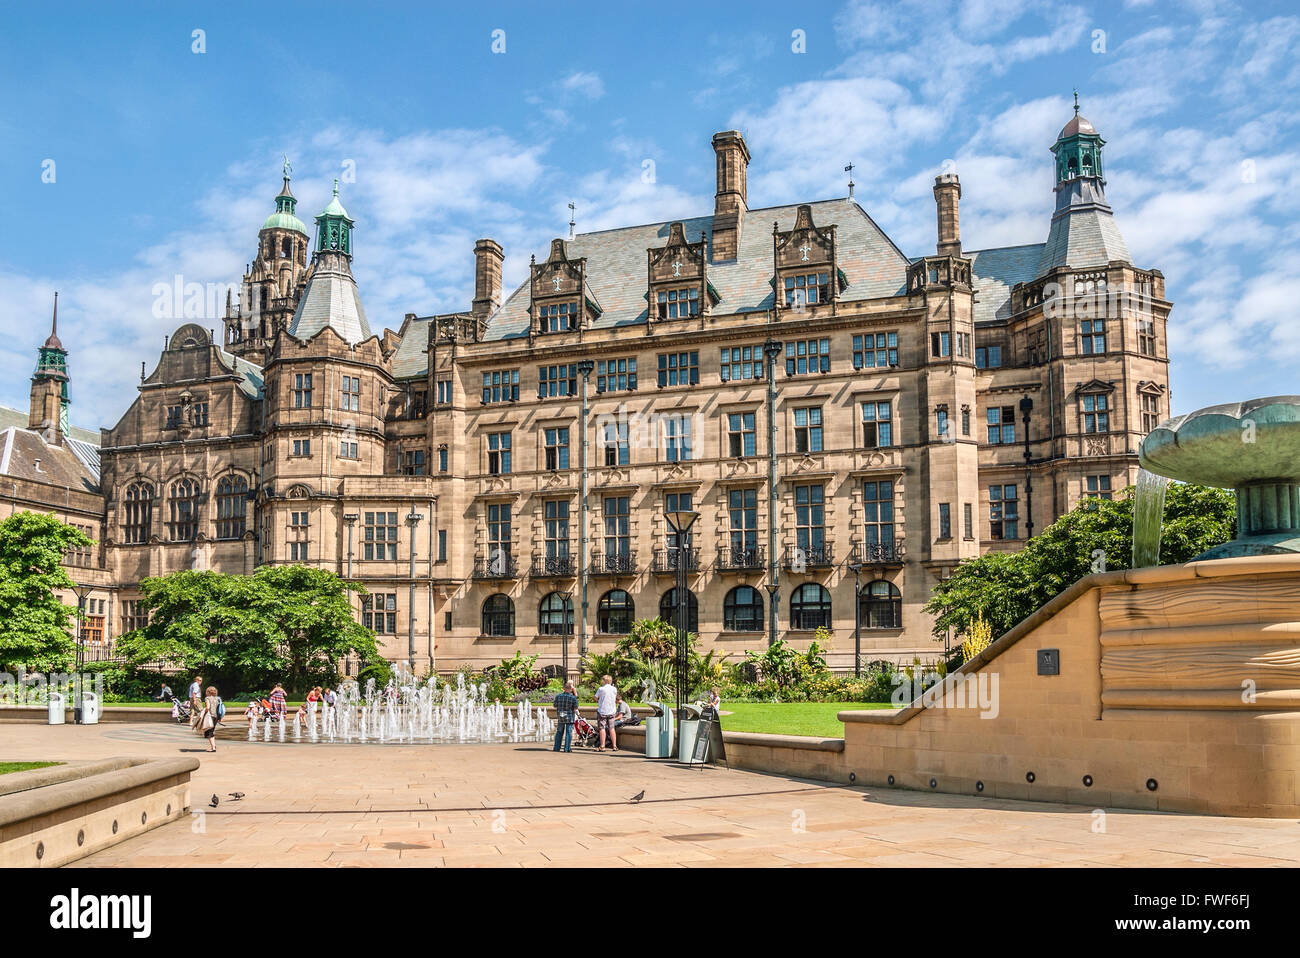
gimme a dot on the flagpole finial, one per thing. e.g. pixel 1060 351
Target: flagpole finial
pixel 1076 102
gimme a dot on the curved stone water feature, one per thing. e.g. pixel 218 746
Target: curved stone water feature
pixel 1252 447
pixel 409 712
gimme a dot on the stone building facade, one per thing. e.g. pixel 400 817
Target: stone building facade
pixel 837 412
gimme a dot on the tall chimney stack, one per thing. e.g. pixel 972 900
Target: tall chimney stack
pixel 947 193
pixel 730 201
pixel 488 257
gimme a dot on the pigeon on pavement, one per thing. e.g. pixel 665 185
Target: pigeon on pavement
pixel 638 796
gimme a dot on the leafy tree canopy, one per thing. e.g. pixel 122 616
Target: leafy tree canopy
pixel 34 628
pixel 288 623
pixel 1004 587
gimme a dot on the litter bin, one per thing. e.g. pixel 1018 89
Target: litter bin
pixel 56 708
pixel 659 732
pixel 687 730
pixel 89 708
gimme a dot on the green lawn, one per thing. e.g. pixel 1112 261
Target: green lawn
pixel 792 718
pixel 7 767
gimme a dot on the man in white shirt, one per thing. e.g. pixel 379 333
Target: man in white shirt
pixel 196 690
pixel 606 709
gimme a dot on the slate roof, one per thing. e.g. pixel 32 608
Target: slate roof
pixel 24 454
pixel 411 358
pixel 995 272
pixel 330 299
pixel 250 374
pixel 1084 233
pixel 616 265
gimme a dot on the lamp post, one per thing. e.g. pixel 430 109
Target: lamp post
pixel 349 520
pixel 81 592
pixel 566 630
pixel 856 566
pixel 413 520
pixel 680 521
pixel 1026 408
pixel 771 350
pixel 585 369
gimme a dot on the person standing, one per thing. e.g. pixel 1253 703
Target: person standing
pixel 566 710
pixel 196 692
pixel 606 709
pixel 279 701
pixel 214 710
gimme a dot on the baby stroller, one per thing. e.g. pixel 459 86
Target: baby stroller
pixel 181 711
pixel 584 732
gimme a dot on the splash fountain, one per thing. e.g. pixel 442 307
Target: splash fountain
pixel 410 712
pixel 1252 447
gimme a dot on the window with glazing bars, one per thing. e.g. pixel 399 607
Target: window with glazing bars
pixel 877 425
pixel 498 463
pixel 501 386
pixel 557 380
pixel 679 369
pixel 677 438
pixel 741 362
pixel 807 289
pixel 379 536
pixel 740 434
pixel 1096 417
pixel 807 356
pixel 615 375
pixel 1004 512
pixel 875 350
pixel 679 303
pixel 558 318
pixel 557 448
pixel 808 429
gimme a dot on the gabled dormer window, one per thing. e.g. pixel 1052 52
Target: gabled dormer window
pixel 677 284
pixel 804 259
pixel 561 302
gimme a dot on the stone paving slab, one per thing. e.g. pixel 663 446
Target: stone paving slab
pixel 524 806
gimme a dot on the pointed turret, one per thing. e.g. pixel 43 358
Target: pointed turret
pixel 331 297
pixel 1084 233
pixel 49 393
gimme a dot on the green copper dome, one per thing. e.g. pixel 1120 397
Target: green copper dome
pixel 283 218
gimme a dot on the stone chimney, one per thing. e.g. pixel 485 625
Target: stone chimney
pixel 947 193
pixel 730 201
pixel 488 257
pixel 46 413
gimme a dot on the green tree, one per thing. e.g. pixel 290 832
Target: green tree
pixel 1002 588
pixel 288 623
pixel 34 621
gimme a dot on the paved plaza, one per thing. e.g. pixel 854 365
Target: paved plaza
pixel 522 805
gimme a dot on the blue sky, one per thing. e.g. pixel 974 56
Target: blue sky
pixel 166 160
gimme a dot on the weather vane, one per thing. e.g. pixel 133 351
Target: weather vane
pixel 573 219
pixel 1076 102
pixel 849 170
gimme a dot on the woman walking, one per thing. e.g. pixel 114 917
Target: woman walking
pixel 214 710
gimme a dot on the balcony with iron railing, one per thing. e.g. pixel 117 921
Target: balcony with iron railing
pixel 877 553
pixel 554 567
pixel 613 563
pixel 500 565
pixel 810 557
pixel 741 560
pixel 667 561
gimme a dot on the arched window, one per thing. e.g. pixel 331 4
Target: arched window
pixel 614 613
pixel 138 513
pixel 555 615
pixel 286 248
pixel 499 615
pixel 668 609
pixel 742 610
pixel 880 606
pixel 810 607
pixel 184 510
pixel 232 507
